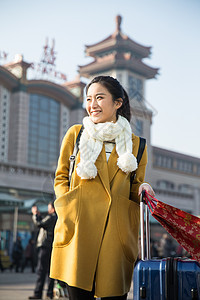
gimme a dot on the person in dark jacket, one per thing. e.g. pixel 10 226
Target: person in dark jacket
pixel 17 254
pixel 29 256
pixel 44 245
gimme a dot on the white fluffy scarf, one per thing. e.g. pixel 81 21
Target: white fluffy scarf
pixel 91 143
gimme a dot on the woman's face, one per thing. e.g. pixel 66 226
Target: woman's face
pixel 99 104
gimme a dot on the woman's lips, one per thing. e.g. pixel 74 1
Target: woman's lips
pixel 96 112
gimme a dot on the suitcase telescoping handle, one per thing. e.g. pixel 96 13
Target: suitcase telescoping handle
pixel 144 230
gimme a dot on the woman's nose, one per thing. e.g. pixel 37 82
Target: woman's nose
pixel 94 103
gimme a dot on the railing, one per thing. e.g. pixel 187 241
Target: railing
pixel 174 193
pixel 12 168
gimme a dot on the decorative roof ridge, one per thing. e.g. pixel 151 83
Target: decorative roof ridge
pixel 106 39
pixel 76 80
pixel 119 56
pixel 18 60
pixel 115 37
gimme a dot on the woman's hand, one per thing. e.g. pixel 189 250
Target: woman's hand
pixel 146 187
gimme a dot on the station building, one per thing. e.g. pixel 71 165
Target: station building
pixel 35 115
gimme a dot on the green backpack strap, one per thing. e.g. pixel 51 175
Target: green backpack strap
pixel 73 156
pixel 139 156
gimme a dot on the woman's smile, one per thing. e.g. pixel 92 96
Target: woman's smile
pixel 95 112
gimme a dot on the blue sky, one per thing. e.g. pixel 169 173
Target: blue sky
pixel 171 27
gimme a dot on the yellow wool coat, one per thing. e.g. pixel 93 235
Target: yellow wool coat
pixel 96 235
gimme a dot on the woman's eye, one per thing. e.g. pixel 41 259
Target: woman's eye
pixel 88 99
pixel 99 98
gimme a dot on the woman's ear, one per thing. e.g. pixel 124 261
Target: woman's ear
pixel 119 102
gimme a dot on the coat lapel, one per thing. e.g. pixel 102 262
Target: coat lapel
pixel 112 164
pixel 102 167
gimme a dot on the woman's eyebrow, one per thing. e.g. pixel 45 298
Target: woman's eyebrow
pixel 98 94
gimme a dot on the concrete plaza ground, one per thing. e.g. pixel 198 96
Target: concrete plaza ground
pixel 16 286
pixel 19 286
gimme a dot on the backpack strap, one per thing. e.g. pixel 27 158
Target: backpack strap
pixel 141 149
pixel 139 156
pixel 73 156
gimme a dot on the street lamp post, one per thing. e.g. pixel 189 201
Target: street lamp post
pixel 15 224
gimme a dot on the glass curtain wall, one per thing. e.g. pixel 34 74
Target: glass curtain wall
pixel 44 131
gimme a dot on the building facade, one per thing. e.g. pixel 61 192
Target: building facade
pixel 35 115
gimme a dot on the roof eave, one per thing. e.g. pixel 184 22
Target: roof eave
pixel 8 79
pixel 114 44
pixel 53 90
pixel 139 68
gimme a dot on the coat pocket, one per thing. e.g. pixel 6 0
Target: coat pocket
pixel 68 211
pixel 128 221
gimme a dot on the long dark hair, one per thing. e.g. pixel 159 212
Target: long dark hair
pixel 117 91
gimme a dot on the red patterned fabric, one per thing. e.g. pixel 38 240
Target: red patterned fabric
pixel 184 227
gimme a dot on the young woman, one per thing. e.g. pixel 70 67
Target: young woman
pixel 96 236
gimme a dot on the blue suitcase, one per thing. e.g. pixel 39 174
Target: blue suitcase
pixel 163 279
pixel 166 279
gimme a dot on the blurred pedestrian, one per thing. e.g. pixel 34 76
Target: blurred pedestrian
pixel 29 256
pixel 17 255
pixel 1 265
pixel 44 245
pixel 167 248
pixel 154 248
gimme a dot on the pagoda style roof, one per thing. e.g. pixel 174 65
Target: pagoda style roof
pixel 9 80
pixel 118 42
pixel 118 61
pixel 120 52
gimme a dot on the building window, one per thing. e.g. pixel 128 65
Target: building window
pixel 184 166
pixel 163 161
pixel 164 184
pixel 139 127
pixel 44 130
pixel 185 188
pixel 135 88
pixel 198 169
